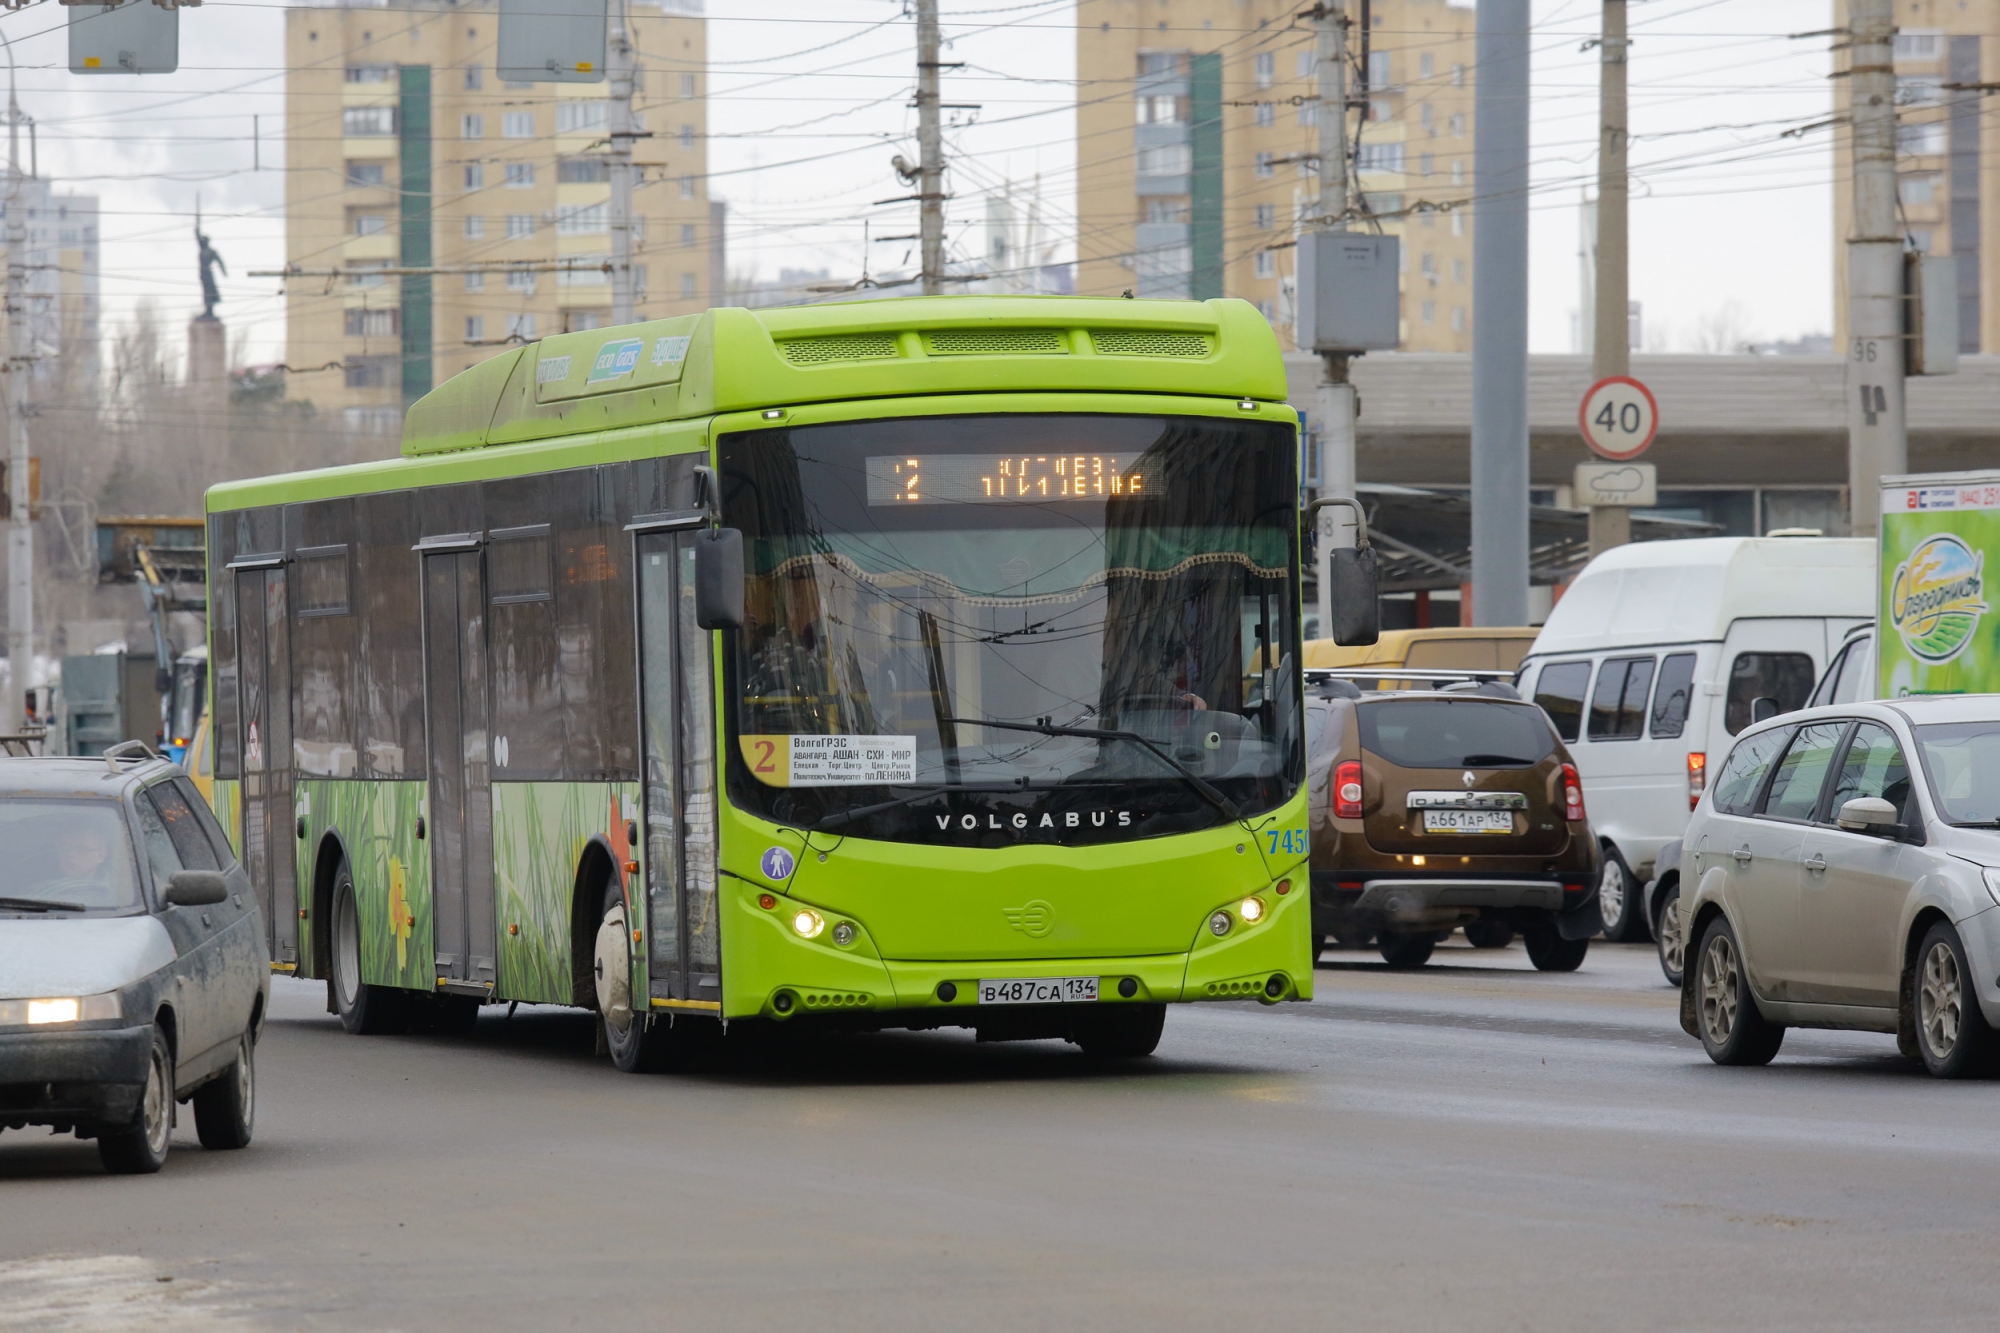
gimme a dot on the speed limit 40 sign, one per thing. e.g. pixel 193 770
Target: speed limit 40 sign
pixel 1619 418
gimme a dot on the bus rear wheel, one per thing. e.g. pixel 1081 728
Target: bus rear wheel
pixel 638 1045
pixel 1119 1031
pixel 364 1009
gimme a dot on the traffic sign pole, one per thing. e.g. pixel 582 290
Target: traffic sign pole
pixel 1618 420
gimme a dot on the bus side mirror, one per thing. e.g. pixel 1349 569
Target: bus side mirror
pixel 718 578
pixel 1357 608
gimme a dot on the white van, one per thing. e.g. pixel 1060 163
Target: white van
pixel 1659 653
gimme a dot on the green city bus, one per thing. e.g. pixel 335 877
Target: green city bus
pixel 902 663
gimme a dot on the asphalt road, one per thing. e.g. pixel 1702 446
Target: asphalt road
pixel 1474 1146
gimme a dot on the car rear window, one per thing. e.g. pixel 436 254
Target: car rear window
pixel 1559 692
pixel 1618 708
pixel 1448 733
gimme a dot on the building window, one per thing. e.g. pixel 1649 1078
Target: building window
pixel 372 372
pixel 1925 140
pixel 1306 60
pixel 475 229
pixel 1919 90
pixel 1917 45
pixel 373 323
pixel 582 321
pixel 1458 76
pixel 687 233
pixel 1159 62
pixel 475 282
pixel 1458 270
pixel 475 176
pixel 588 271
pixel 1430 312
pixel 1166 210
pixel 472 125
pixel 521 280
pixel 1428 267
pixel 1380 109
pixel 1424 165
pixel 580 117
pixel 520 175
pixel 1917 190
pixel 373 420
pixel 1266 65
pixel 687 187
pixel 1427 117
pixel 1269 310
pixel 638 282
pixel 1160 109
pixel 1426 65
pixel 687 85
pixel 1458 319
pixel 1267 115
pixel 518 125
pixel 582 171
pixel 475 328
pixel 1457 172
pixel 370 74
pixel 687 136
pixel 367 224
pixel 1458 124
pixel 1457 223
pixel 582 220
pixel 520 225
pixel 364 173
pixel 1378 69
pixel 1920 240
pixel 520 326
pixel 1266 215
pixel 687 287
pixel 1379 157
pixel 1309 112
pixel 1174 159
pixel 475 78
pixel 1266 264
pixel 1263 168
pixel 368 122
pixel 359 275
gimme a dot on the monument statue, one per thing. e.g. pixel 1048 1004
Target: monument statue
pixel 210 261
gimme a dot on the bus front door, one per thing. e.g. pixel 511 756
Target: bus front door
pixel 264 679
pixel 460 800
pixel 677 706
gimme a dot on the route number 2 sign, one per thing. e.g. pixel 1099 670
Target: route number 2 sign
pixel 1619 418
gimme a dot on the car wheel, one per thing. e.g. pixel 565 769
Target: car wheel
pixel 1403 948
pixel 1733 1030
pixel 1618 900
pixel 1488 934
pixel 364 1009
pixel 1119 1031
pixel 1671 936
pixel 139 1147
pixel 1550 952
pixel 637 1044
pixel 1952 1034
pixel 225 1109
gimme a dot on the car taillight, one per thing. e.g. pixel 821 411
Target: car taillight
pixel 1697 777
pixel 1347 790
pixel 1572 795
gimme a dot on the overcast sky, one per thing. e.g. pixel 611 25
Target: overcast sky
pixel 1731 224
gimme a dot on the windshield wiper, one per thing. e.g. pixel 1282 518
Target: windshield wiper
pixel 827 823
pixel 1200 786
pixel 1485 760
pixel 38 905
pixel 1974 823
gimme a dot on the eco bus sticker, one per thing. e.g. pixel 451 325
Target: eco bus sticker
pixel 615 360
pixel 1936 598
pixel 666 351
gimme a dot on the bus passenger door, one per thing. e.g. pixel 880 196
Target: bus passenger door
pixel 460 800
pixel 264 679
pixel 678 716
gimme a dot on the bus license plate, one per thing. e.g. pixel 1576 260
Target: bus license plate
pixel 1468 821
pixel 1039 990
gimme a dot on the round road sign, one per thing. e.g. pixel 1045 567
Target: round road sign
pixel 1619 418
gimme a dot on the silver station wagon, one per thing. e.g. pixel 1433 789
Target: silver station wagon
pixel 1845 873
pixel 133 965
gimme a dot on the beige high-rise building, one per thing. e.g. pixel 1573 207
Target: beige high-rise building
pixel 405 149
pixel 1948 202
pixel 1197 144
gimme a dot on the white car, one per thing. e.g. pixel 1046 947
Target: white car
pixel 1843 871
pixel 134 967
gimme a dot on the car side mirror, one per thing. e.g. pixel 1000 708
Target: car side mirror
pixel 1868 814
pixel 1763 708
pixel 718 579
pixel 196 888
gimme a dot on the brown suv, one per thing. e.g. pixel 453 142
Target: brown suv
pixel 1438 808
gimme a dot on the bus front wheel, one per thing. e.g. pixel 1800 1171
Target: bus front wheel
pixel 638 1045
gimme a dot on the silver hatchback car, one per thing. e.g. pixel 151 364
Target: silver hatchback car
pixel 1845 873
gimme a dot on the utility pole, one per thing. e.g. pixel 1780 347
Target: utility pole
pixel 623 132
pixel 1336 392
pixel 930 142
pixel 1611 347
pixel 1500 316
pixel 20 535
pixel 1877 443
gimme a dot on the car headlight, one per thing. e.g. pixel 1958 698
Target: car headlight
pixel 1992 878
pixel 60 1009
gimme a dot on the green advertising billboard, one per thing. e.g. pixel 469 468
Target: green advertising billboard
pixel 1933 631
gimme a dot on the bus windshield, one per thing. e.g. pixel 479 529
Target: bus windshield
pixel 914 581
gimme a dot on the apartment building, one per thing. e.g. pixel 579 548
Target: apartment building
pixel 405 149
pixel 1948 202
pixel 1198 141
pixel 63 311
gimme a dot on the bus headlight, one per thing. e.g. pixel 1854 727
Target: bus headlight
pixel 808 923
pixel 1220 923
pixel 1251 910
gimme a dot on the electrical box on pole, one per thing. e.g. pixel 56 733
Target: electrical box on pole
pixel 132 38
pixel 1930 313
pixel 552 41
pixel 1348 292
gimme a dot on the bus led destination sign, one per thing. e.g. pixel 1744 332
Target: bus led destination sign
pixel 982 478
